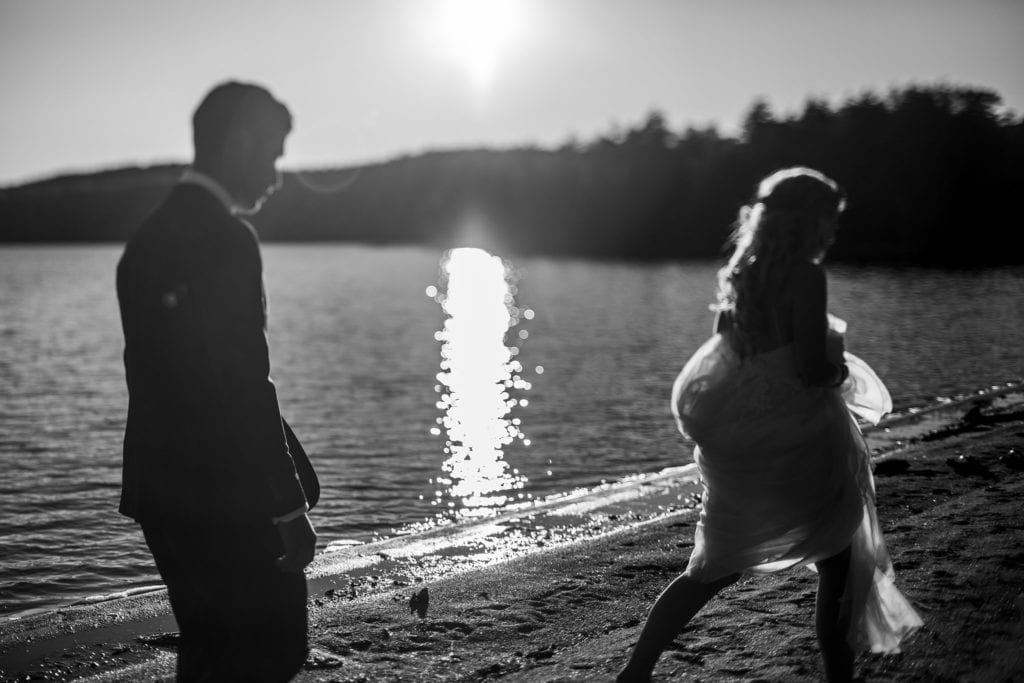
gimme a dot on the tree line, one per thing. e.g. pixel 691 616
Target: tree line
pixel 931 173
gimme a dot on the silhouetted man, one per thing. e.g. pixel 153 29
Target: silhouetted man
pixel 217 481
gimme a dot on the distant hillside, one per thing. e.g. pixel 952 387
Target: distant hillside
pixel 99 207
pixel 931 172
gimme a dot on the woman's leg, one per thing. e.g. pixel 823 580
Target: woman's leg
pixel 829 622
pixel 671 612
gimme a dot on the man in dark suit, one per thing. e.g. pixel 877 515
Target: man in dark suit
pixel 213 475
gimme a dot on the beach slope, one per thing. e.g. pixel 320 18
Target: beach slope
pixel 950 505
pixel 955 530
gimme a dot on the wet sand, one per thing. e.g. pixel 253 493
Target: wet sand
pixel 951 507
pixel 957 540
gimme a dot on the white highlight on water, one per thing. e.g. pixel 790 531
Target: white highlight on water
pixel 477 378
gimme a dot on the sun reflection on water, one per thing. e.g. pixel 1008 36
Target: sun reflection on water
pixel 477 384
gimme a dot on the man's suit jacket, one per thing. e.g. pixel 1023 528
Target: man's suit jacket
pixel 204 439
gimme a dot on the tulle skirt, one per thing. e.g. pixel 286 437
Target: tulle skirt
pixel 787 478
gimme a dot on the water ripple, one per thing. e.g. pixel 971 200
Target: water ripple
pixel 355 360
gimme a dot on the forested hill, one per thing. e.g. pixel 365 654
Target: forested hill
pixel 932 174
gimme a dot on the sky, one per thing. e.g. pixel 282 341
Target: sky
pixel 94 84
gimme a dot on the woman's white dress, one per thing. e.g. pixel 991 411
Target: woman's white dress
pixel 787 477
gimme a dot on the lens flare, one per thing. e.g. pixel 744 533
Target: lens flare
pixel 476 35
pixel 477 378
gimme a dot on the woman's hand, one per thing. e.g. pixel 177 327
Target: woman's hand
pixel 835 347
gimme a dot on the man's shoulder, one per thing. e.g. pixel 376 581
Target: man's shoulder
pixel 191 204
pixel 245 232
pixel 187 210
pixel 190 229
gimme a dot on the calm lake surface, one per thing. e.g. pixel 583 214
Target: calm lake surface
pixel 358 339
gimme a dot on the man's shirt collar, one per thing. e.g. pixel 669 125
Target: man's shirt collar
pixel 193 177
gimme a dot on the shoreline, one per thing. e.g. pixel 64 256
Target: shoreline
pixel 561 607
pixel 895 431
pixel 951 513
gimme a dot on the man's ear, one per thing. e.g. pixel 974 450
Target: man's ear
pixel 238 143
pixel 235 156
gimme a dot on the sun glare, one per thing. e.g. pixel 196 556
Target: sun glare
pixel 477 34
pixel 478 375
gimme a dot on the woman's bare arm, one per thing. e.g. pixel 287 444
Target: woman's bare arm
pixel 810 326
pixel 723 321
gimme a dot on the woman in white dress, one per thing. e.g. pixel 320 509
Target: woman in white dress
pixel 770 401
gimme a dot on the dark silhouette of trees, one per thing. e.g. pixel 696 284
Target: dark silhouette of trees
pixel 931 172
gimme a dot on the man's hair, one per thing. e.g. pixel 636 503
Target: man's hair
pixel 234 106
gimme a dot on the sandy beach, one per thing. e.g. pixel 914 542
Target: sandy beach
pixel 572 613
pixel 950 504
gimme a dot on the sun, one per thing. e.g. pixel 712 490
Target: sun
pixel 476 35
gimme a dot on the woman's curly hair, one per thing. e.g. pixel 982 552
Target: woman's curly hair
pixel 782 226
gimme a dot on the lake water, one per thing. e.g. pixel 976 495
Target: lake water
pixel 358 340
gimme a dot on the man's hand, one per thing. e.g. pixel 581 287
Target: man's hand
pixel 299 541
